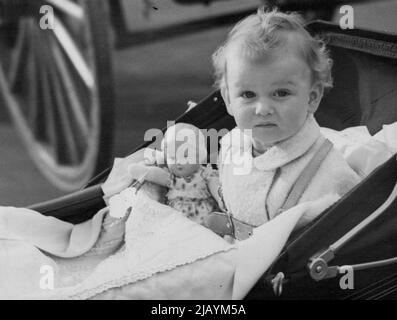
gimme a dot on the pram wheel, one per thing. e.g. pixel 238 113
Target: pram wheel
pixel 56 81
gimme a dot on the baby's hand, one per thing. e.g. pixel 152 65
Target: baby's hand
pixel 120 204
pixel 119 178
pixel 136 170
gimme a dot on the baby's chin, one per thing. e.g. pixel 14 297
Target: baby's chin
pixel 264 141
pixel 268 138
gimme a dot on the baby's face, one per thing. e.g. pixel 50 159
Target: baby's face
pixel 272 98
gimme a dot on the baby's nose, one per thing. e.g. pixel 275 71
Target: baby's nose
pixel 263 107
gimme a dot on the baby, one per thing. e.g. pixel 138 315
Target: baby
pixel 272 75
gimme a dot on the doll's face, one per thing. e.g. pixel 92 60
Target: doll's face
pixel 181 160
pixel 183 170
pixel 181 167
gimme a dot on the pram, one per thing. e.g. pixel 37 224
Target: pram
pixel 365 72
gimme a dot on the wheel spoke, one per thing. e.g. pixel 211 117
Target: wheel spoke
pixel 32 103
pixel 47 123
pixel 67 149
pixel 71 92
pixel 72 9
pixel 56 132
pixel 50 130
pixel 37 86
pixel 73 53
pixel 19 55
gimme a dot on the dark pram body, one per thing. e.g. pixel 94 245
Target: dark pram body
pixel 365 92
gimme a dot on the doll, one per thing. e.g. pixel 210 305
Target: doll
pixel 179 167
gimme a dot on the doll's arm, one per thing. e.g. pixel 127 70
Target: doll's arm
pixel 153 174
pixel 211 177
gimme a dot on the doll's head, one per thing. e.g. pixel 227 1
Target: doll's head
pixel 184 149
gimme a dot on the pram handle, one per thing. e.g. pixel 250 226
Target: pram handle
pixel 318 264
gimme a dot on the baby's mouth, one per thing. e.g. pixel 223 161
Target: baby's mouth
pixel 266 125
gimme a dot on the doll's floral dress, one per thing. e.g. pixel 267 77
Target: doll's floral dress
pixel 191 195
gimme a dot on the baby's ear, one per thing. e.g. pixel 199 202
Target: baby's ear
pixel 315 96
pixel 225 97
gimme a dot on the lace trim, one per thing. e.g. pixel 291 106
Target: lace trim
pixel 158 239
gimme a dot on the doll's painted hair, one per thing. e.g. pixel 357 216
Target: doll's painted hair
pixel 263 33
pixel 191 137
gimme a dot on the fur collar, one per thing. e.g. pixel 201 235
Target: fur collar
pixel 279 154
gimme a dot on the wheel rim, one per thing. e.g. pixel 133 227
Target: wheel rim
pixel 50 85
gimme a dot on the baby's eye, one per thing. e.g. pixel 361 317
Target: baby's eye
pixel 281 93
pixel 248 94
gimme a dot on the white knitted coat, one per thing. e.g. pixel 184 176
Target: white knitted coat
pixel 254 189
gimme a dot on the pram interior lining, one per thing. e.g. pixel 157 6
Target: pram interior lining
pixel 364 90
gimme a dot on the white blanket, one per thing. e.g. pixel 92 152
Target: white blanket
pixel 362 151
pixel 165 256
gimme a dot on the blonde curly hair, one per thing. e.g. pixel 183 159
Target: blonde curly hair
pixel 262 33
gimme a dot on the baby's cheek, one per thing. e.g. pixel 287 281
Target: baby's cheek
pixel 294 115
pixel 243 119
